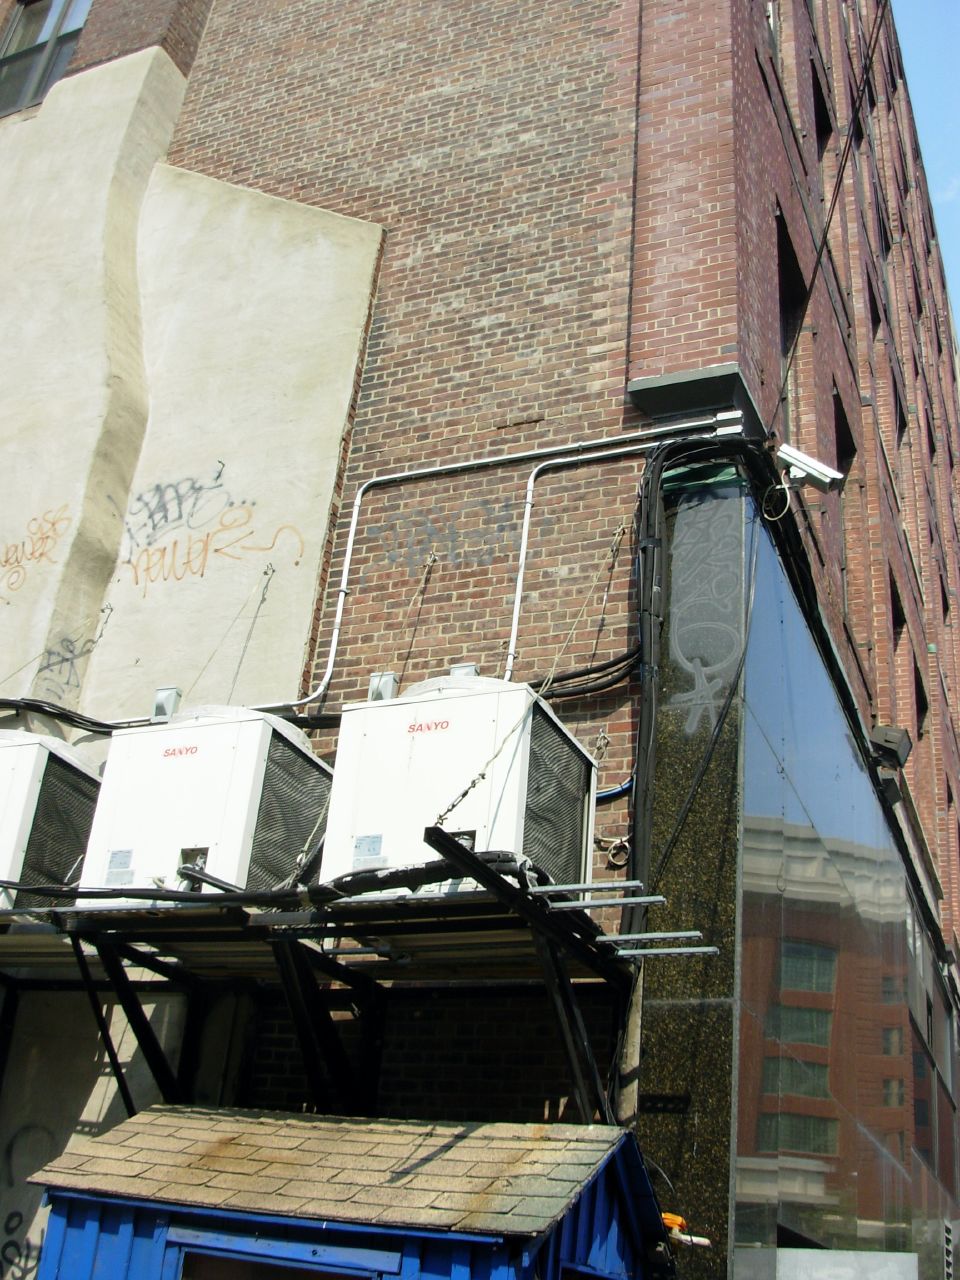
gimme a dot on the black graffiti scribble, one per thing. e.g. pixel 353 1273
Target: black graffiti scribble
pixel 185 503
pixel 19 1257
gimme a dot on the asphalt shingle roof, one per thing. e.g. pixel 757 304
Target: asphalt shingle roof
pixel 498 1178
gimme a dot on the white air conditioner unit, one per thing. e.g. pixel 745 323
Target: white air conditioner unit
pixel 400 763
pixel 235 792
pixel 47 798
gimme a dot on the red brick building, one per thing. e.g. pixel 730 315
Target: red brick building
pixel 582 231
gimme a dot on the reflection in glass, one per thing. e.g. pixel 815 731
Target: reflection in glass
pixel 791 1075
pixel 845 1131
pixel 805 966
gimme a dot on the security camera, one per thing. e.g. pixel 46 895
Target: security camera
pixel 803 469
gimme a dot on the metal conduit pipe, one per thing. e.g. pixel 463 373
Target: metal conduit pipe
pixel 553 464
pixel 652 435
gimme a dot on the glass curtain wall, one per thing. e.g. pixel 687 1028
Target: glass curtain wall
pixel 845 1121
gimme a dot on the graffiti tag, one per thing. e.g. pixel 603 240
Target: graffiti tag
pixel 469 538
pixel 187 503
pixel 19 1258
pixel 43 532
pixel 180 529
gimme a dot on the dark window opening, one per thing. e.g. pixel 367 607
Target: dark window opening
pixel 844 444
pixel 874 311
pixel 900 166
pixel 897 616
pixel 856 125
pixel 922 710
pixel 886 243
pixel 36 48
pixel 821 114
pixel 901 415
pixel 944 600
pixel 845 452
pixel 793 301
pixel 871 94
pixel 931 437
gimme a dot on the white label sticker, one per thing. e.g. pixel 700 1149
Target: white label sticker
pixel 119 867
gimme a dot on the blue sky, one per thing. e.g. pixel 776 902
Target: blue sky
pixel 929 33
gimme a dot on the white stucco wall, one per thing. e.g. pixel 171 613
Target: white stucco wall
pixel 177 357
pixel 57 1084
pixel 254 311
pixel 73 409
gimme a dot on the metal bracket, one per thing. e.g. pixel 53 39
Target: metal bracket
pixel 576 939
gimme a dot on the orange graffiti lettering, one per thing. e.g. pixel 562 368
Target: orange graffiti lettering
pixel 43 532
pixel 190 555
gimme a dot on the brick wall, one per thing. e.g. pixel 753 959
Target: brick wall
pixel 495 144
pixel 119 27
pixel 556 223
pixel 489 1054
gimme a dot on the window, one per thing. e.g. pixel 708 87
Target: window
pixel 898 618
pixel 799 1026
pixel 792 289
pixel 922 707
pixel 900 413
pixel 788 1075
pixel 814 1135
pixel 804 966
pixel 36 47
pixel 892 1041
pixel 891 989
pixel 893 1092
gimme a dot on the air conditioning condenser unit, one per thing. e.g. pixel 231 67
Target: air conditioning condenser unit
pixel 528 786
pixel 47 799
pixel 234 792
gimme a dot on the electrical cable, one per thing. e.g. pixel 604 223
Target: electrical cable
pixel 613 553
pixel 614 793
pixel 587 690
pixel 325 893
pixel 66 715
pixel 630 656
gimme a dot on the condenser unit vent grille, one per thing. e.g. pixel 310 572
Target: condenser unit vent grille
pixel 558 791
pixel 292 813
pixel 58 837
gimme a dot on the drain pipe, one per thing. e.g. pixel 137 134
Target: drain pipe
pixel 568 452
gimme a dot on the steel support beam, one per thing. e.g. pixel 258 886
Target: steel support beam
pixel 588 1087
pixel 370 1003
pixel 146 1038
pixel 323 1053
pixel 112 1056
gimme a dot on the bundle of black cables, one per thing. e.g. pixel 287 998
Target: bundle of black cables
pixel 585 681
